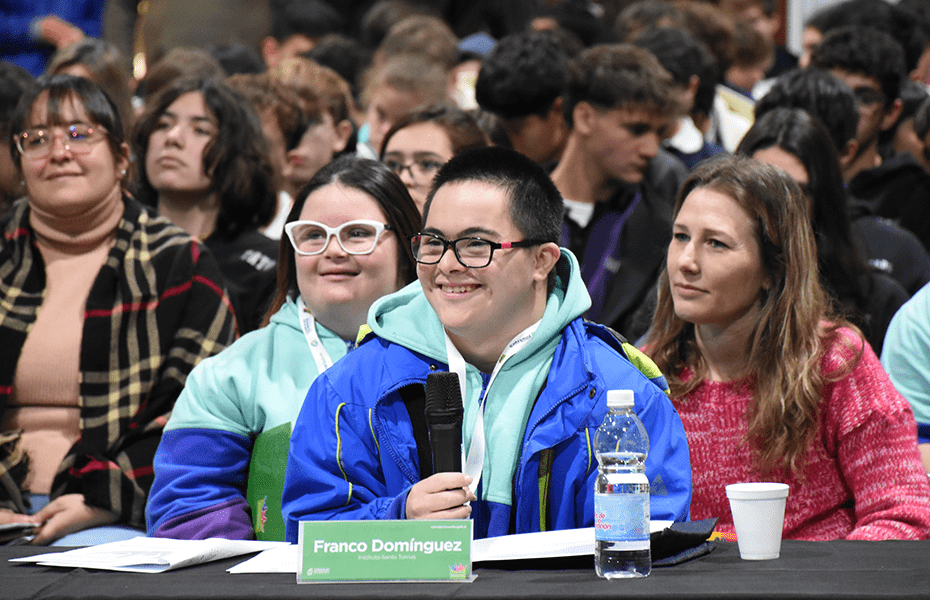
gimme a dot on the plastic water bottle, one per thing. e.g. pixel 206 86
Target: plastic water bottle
pixel 621 493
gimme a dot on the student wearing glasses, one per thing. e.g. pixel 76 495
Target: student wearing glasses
pixel 345 246
pixel 422 141
pixel 104 310
pixel 500 304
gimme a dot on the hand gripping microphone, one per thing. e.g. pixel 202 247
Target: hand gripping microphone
pixel 444 413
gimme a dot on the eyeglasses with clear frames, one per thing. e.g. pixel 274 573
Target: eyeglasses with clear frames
pixel 355 237
pixel 471 252
pixel 78 138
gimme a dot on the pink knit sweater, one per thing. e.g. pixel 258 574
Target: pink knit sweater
pixel 864 479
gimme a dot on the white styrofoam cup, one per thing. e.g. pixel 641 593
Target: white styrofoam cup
pixel 758 514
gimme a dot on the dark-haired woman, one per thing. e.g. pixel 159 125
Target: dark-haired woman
pixel 791 139
pixel 769 383
pixel 104 309
pixel 424 140
pixel 325 287
pixel 203 161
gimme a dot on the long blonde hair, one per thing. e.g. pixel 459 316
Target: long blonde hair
pixel 795 325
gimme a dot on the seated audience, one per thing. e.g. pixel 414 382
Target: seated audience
pixel 906 358
pixel 105 309
pixel 521 82
pixel 887 247
pixel 326 103
pixel 871 62
pixel 691 67
pixel 284 116
pixel 499 304
pixel 422 141
pixel 903 136
pixel 770 385
pixel 296 26
pixel 619 104
pixel 794 141
pixel 763 16
pixel 325 288
pixel 203 161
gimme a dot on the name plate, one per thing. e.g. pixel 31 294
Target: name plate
pixel 332 551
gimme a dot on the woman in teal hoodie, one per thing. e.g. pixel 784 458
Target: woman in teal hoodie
pixel 216 475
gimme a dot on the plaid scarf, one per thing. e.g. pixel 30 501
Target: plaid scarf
pixel 156 308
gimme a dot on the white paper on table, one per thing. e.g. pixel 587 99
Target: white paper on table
pixel 148 555
pixel 280 559
pixel 543 544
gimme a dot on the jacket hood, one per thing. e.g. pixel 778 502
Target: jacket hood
pixel 406 317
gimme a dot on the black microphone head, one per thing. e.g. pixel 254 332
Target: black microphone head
pixel 443 399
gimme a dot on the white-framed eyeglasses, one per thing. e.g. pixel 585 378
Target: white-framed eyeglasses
pixel 355 237
pixel 78 138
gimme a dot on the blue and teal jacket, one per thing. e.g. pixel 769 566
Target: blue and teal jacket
pixel 354 454
pixel 202 462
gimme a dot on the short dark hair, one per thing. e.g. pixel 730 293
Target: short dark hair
pixel 677 50
pixel 373 179
pixel 462 129
pixel 822 95
pixel 644 14
pixel 522 75
pixel 902 24
pixel 615 76
pixel 236 160
pixel 864 51
pixel 536 205
pixel 237 58
pixel 312 18
pixel 683 56
pixel 60 89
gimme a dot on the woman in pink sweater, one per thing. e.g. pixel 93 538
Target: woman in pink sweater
pixel 770 385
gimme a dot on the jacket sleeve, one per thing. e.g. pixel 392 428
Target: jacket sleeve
pixel 668 465
pixel 199 489
pixel 334 466
pixel 202 462
pixel 193 321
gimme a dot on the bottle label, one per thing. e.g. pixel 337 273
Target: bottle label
pixel 622 517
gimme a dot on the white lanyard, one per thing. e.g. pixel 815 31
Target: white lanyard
pixel 308 324
pixel 474 463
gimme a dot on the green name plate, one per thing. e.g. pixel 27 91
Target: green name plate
pixel 384 551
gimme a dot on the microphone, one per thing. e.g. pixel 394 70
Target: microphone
pixel 444 414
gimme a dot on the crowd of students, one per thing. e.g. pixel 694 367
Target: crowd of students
pixel 566 199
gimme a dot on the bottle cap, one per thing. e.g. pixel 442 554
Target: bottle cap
pixel 619 398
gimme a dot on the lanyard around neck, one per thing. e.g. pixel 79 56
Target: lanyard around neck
pixel 474 462
pixel 308 325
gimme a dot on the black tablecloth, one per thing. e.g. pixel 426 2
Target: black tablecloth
pixel 819 570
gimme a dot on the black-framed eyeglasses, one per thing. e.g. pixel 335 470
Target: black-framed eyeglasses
pixel 420 168
pixel 355 237
pixel 471 252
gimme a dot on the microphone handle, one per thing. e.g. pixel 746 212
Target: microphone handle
pixel 446 444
